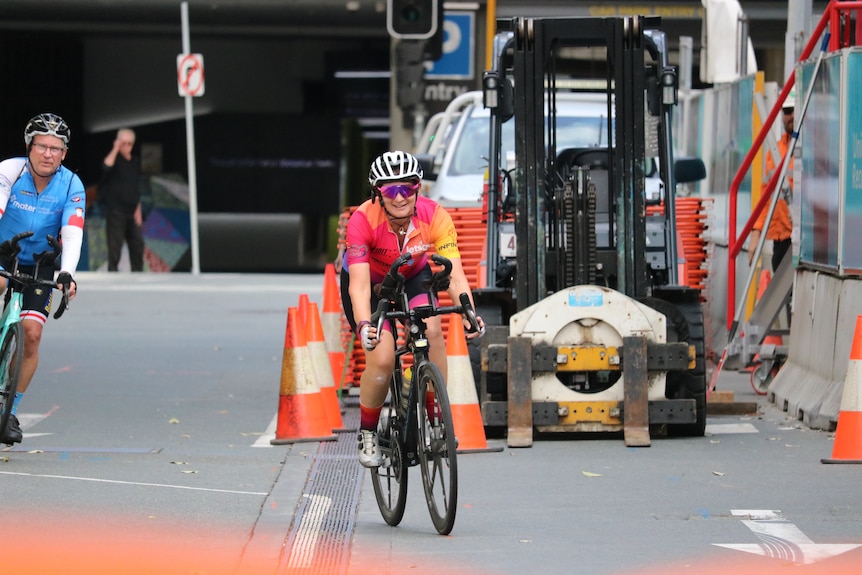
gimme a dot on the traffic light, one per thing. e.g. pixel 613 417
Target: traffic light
pixel 413 19
pixel 409 73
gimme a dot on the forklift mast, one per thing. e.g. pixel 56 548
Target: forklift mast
pixel 588 329
pixel 555 203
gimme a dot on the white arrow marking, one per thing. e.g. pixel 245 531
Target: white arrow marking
pixel 781 539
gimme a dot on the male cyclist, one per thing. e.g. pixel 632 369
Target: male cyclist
pixel 39 194
pixel 395 220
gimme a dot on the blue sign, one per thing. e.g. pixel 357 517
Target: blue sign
pixel 586 297
pixel 458 48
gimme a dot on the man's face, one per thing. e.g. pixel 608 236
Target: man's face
pixel 788 120
pixel 46 154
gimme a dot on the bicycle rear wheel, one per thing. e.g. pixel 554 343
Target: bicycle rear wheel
pixel 437 447
pixel 11 356
pixel 390 479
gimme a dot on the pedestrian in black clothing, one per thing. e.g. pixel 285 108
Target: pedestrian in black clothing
pixel 121 197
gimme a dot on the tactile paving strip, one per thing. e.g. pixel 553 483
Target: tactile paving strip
pixel 319 537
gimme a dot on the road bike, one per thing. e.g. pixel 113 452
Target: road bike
pixel 11 333
pixel 415 426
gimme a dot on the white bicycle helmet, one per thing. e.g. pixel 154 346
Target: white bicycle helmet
pixel 392 167
pixel 49 125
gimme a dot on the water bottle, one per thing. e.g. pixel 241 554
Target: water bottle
pixel 405 389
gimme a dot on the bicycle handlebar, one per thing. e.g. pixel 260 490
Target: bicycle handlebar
pixel 392 288
pixel 10 249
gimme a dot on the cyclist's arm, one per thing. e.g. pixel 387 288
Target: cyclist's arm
pixel 73 237
pixel 458 284
pixel 360 291
pixel 10 171
pixel 72 229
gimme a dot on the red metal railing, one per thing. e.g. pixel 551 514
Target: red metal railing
pixel 836 16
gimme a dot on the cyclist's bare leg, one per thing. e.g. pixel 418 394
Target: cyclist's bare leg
pixel 379 363
pixel 32 339
pixel 437 343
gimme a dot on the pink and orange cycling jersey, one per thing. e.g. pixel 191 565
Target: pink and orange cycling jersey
pixel 370 238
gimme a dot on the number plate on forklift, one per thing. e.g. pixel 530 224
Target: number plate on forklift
pixel 508 243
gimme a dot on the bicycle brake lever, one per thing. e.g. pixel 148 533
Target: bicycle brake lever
pixel 378 317
pixel 469 312
pixel 64 305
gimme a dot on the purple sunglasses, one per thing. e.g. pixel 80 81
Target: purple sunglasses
pixel 391 191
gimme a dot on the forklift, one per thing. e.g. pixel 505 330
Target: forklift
pixel 590 329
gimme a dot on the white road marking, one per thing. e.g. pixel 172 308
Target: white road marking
pixel 135 483
pixel 268 435
pixel 781 539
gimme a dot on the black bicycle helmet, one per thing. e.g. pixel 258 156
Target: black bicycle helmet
pixel 49 125
pixel 392 167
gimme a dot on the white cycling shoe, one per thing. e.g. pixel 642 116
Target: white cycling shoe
pixel 369 449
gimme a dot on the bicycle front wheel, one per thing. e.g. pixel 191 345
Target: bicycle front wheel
pixel 437 447
pixel 11 356
pixel 390 479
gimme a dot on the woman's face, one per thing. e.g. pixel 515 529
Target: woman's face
pixel 399 198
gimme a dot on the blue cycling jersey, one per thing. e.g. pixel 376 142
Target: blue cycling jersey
pixel 61 205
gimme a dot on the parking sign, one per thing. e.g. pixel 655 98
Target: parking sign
pixel 458 48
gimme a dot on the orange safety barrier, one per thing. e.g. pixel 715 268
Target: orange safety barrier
pixel 691 223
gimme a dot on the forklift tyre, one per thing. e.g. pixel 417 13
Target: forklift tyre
pixel 685 323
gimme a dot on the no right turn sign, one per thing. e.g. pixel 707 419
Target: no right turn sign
pixel 190 74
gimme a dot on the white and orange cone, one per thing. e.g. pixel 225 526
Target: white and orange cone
pixel 331 320
pixel 301 415
pixel 322 368
pixel 848 435
pixel 463 399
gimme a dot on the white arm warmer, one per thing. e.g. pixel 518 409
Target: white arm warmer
pixel 10 171
pixel 73 237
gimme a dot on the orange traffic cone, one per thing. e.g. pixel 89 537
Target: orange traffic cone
pixel 302 307
pixel 322 369
pixel 301 416
pixel 331 321
pixel 848 434
pixel 466 415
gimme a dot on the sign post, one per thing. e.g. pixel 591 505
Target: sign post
pixel 190 82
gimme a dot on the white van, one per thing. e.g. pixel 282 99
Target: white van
pixel 454 150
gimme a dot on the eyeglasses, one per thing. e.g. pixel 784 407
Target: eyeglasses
pixel 42 148
pixel 391 191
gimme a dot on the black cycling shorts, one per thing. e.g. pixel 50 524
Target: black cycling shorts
pixel 417 285
pixel 36 303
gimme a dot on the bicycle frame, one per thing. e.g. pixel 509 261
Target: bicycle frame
pixel 11 331
pixel 10 320
pixel 416 433
pixel 407 410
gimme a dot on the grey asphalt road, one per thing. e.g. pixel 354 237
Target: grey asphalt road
pixel 147 450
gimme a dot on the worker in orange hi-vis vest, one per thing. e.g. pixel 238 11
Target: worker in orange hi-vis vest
pixel 780 226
